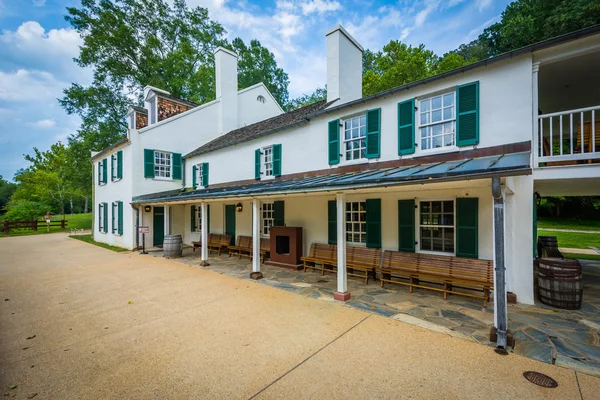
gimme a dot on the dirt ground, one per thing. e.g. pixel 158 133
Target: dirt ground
pixel 81 322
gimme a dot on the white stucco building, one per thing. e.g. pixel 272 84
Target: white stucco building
pixel 407 169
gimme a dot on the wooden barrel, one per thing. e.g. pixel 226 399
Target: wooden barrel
pixel 548 247
pixel 172 246
pixel 560 283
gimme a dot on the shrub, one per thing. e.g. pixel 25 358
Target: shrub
pixel 25 210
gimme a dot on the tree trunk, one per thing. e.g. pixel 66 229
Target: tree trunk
pixel 71 205
pixel 86 205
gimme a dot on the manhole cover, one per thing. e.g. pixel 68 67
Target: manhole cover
pixel 540 379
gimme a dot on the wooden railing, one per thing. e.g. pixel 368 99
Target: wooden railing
pixel 33 225
pixel 569 137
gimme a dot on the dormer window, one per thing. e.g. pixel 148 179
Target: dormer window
pixel 152 111
pixel 261 99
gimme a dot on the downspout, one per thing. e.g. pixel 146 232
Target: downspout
pixel 182 174
pixel 499 270
pixel 137 225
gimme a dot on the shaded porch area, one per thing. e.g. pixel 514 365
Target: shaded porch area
pixel 566 338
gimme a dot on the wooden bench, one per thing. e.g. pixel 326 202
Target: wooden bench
pixel 242 248
pixel 218 243
pixel 196 245
pixel 360 261
pixel 423 270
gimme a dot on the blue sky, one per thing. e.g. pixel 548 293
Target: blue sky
pixel 37 48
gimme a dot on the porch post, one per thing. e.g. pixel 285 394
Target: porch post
pixel 500 309
pixel 536 123
pixel 167 218
pixel 256 274
pixel 342 293
pixel 204 234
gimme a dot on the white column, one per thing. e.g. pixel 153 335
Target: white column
pixel 256 274
pixel 167 220
pixel 342 279
pixel 204 234
pixel 535 108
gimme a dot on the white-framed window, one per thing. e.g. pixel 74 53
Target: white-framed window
pixel 101 220
pixel 113 166
pixel 268 161
pixel 356 222
pixel 198 218
pixel 199 180
pixel 436 226
pixel 355 137
pixel 100 178
pixel 268 216
pixel 132 120
pixel 162 164
pixel 115 217
pixel 437 121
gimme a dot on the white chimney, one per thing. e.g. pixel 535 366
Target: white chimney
pixel 344 66
pixel 227 87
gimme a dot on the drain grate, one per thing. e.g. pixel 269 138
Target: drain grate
pixel 540 379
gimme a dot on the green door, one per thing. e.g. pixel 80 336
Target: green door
pixel 230 222
pixel 159 226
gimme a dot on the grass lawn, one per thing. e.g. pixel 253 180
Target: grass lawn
pixel 575 240
pixel 76 221
pixel 562 223
pixel 582 256
pixel 88 239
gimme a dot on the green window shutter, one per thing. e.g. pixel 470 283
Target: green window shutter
pixel 208 218
pixel 100 216
pixel 176 161
pixel 374 133
pixel 278 213
pixel 467 216
pixel 99 172
pixel 406 127
pixel 193 220
pixel 331 222
pixel 373 223
pixel 257 164
pixel 120 164
pixel 120 210
pixel 104 170
pixel 406 225
pixel 194 173
pixel 205 174
pixel 276 160
pixel 148 163
pixel 113 219
pixel 334 142
pixel 105 207
pixel 467 118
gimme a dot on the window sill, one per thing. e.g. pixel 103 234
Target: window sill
pixel 356 162
pixel 439 150
pixel 435 253
pixel 116 180
pixel 162 179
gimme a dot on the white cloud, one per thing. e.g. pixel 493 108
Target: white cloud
pixel 44 123
pixel 320 6
pixel 483 4
pixel 422 15
pixel 39 3
pixel 26 85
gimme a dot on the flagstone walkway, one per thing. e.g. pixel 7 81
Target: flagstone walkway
pixel 567 338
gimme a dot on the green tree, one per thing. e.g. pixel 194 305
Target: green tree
pixel 6 191
pixel 26 210
pixel 257 64
pixel 307 99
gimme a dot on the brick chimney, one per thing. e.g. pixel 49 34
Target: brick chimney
pixel 344 66
pixel 227 88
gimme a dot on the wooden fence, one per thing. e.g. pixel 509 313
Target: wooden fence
pixel 34 225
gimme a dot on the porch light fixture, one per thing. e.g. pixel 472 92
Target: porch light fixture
pixel 239 207
pixel 147 208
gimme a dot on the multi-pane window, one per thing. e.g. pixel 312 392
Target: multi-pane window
pixel 198 219
pixel 356 222
pixel 115 217
pixel 162 164
pixel 100 177
pixel 355 132
pixel 101 221
pixel 199 179
pixel 268 160
pixel 436 226
pixel 132 121
pixel 267 218
pixel 113 166
pixel 153 111
pixel 437 121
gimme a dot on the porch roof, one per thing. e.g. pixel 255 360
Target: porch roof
pixel 471 168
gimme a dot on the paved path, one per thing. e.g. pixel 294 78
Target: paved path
pixel 81 322
pixel 567 230
pixel 579 251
